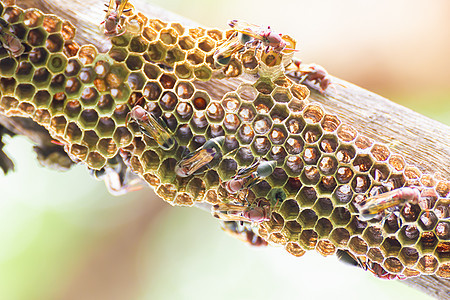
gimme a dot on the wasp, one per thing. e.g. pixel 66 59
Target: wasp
pixel 311 72
pixel 258 213
pixel 151 127
pixel 248 177
pixel 376 205
pixel 243 232
pixel 194 162
pixel 259 36
pixel 113 17
pixel 224 52
pixel 9 41
pixel 118 177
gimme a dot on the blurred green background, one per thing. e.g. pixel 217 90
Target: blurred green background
pixel 62 236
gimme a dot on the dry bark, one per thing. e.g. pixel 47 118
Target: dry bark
pixel 422 141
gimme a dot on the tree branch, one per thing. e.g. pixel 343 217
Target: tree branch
pixel 422 141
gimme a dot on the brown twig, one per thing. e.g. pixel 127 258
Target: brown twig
pixel 422 141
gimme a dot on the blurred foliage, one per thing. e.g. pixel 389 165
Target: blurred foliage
pixel 63 236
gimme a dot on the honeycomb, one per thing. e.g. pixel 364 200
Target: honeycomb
pixel 323 166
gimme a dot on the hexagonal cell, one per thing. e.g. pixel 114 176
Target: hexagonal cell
pixel 409 234
pixel 118 54
pixel 149 33
pixel 245 134
pixel 397 162
pixel 443 188
pixel 72 109
pixel 344 175
pixel 391 224
pixel 295 125
pixel 90 139
pixel 428 264
pixel 32 18
pixel 27 108
pixel 299 91
pixel 42 116
pixel 323 207
pixel 327 185
pixel 380 172
pixel 244 156
pixel 38 57
pixel 167 192
pixel 363 142
pixel 443 230
pixel 373 236
pixel 73 133
pixel 41 78
pixel 71 49
pixel 24 71
pixel 79 151
pixel 328 144
pixel 25 91
pixel 156 51
pixel 8 66
pixel 105 127
pixel 347 133
pixel 391 246
pixel 345 154
pixel 312 133
pixel 307 218
pixel 215 112
pixel 107 147
pixel 323 227
pixel 310 175
pixel 362 163
pixel 183 71
pixel 54 43
pixel 341 216
pixel 380 152
pixel 261 145
pixel 87 54
pixel 246 112
pixel 356 226
pixel 227 168
pixel 361 183
pixel 328 165
pixel 330 123
pixel 294 164
pixel 427 242
pixel 138 45
pixel 358 246
pixel 393 265
pixel 264 87
pixel 199 122
pixel 294 145
pixel 166 170
pixel 340 237
pixel 134 62
pixel 184 134
pixel 428 180
pixel 203 72
pixel 313 113
pixel 428 220
pixel 443 251
pixel 262 124
pixel 106 104
pixel 325 248
pixel 278 134
pixel 308 239
pixel 186 42
pixel 408 256
pixel 231 122
pixel 152 91
pixel 281 95
pixel 289 210
pixel 342 195
pixel 278 154
pixel 37 37
pixel 311 155
pixel 73 87
pixel 263 104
